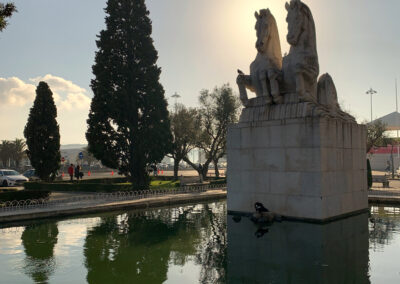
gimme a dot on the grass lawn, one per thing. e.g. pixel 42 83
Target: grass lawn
pixel 164 183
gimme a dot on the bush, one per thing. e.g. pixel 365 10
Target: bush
pixel 23 195
pixel 218 181
pixel 90 186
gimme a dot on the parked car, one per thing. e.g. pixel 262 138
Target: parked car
pixel 11 178
pixel 31 175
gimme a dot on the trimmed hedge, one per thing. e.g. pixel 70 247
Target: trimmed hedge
pixel 92 187
pixel 78 187
pixel 23 195
pixel 218 181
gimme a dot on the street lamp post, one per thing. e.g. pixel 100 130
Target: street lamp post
pixel 371 92
pixel 176 97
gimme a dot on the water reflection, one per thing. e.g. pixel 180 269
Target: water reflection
pixel 294 252
pixel 384 226
pixel 190 244
pixel 139 247
pixel 39 240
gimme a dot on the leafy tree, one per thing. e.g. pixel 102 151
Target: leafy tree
pixel 184 133
pixel 128 125
pixel 376 134
pixel 6 11
pixel 217 110
pixel 42 134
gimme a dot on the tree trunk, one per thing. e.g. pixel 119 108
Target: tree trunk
pixel 205 170
pixel 216 168
pixel 201 171
pixel 176 168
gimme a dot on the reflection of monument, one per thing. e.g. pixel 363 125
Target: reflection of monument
pixel 294 149
pixel 295 252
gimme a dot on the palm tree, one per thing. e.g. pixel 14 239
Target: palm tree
pixel 18 151
pixel 5 152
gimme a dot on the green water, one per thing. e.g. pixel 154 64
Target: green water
pixel 196 244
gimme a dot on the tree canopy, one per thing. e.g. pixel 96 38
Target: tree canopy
pixel 376 134
pixel 184 132
pixel 43 135
pixel 128 125
pixel 6 11
pixel 217 110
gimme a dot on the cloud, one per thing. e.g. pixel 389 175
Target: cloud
pixel 66 94
pixel 58 84
pixel 73 101
pixel 15 92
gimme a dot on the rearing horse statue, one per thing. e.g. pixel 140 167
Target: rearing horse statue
pixel 266 68
pixel 300 66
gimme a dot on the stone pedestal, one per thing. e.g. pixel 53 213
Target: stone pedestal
pixel 296 252
pixel 310 168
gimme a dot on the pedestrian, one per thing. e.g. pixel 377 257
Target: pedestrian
pixel 71 172
pixel 77 171
pixel 388 166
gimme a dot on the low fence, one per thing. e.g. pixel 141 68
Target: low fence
pixel 98 198
pixel 386 192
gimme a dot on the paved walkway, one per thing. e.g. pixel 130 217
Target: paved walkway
pixel 89 206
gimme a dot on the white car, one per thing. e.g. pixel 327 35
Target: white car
pixel 11 178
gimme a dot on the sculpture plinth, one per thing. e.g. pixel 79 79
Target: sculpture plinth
pixel 294 149
pixel 307 168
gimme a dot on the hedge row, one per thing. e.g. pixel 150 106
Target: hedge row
pixel 88 187
pixel 218 181
pixel 78 187
pixel 23 195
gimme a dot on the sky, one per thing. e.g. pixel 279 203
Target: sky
pixel 200 44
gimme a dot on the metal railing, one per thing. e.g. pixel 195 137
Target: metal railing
pixel 385 192
pixel 98 198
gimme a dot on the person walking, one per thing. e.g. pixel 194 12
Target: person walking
pixel 71 172
pixel 77 171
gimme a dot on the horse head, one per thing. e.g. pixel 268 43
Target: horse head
pixel 300 22
pixel 263 28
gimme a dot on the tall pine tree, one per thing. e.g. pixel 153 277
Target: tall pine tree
pixel 128 125
pixel 43 135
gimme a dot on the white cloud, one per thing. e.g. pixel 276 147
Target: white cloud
pixel 75 101
pixel 15 92
pixel 58 84
pixel 67 95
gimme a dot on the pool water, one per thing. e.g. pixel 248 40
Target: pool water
pixel 201 244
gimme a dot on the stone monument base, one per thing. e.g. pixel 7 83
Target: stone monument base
pixel 310 168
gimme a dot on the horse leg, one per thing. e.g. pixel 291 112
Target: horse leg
pixel 278 99
pixel 243 81
pixel 300 86
pixel 263 79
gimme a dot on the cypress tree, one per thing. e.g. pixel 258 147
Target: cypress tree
pixel 42 134
pixel 128 125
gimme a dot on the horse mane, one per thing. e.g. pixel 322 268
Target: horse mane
pixel 311 24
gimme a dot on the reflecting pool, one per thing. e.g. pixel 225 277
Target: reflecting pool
pixel 201 244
